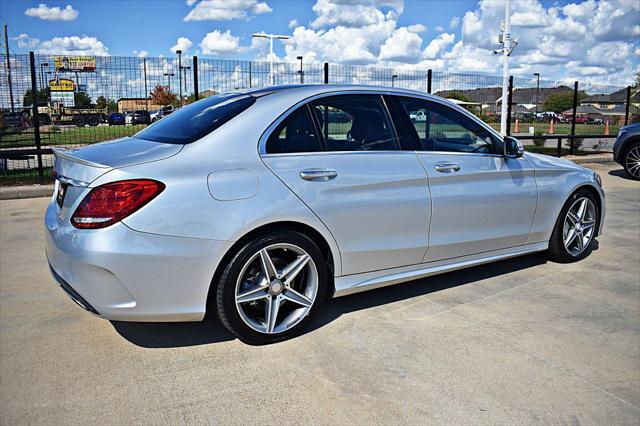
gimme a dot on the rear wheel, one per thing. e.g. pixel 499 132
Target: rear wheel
pixel 93 120
pixel 272 287
pixel 632 160
pixel 575 229
pixel 79 120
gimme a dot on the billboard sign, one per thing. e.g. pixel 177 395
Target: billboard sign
pixel 75 63
pixel 61 85
pixel 64 98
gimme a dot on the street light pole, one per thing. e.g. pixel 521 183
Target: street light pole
pixel 301 72
pixel 272 79
pixel 179 52
pixel 393 79
pixel 508 44
pixel 537 74
pixel 46 64
pixel 169 75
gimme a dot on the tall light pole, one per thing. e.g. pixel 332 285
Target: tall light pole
pixel 169 75
pixel 507 47
pixel 185 68
pixel 272 77
pixel 537 74
pixel 45 64
pixel 393 79
pixel 301 72
pixel 179 52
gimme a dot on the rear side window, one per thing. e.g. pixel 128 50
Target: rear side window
pixel 295 134
pixel 197 120
pixel 355 123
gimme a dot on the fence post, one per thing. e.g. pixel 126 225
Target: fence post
pixel 196 90
pixel 326 73
pixel 573 118
pixel 146 92
pixel 429 79
pixel 36 117
pixel 626 110
pixel 509 98
pixel 249 74
pixel 559 148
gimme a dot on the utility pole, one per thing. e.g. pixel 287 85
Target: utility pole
pixel 146 93
pixel 301 72
pixel 537 74
pixel 272 77
pixel 169 75
pixel 6 51
pixel 507 47
pixel 179 52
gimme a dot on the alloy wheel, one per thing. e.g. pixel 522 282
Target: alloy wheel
pixel 632 161
pixel 579 226
pixel 276 288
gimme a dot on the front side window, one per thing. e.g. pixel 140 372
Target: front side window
pixel 354 123
pixel 295 134
pixel 441 128
pixel 196 120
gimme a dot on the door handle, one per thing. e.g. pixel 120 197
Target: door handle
pixel 318 175
pixel 447 167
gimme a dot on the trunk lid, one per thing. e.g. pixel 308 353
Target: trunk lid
pixel 76 169
pixel 84 165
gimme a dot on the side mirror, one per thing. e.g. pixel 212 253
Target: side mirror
pixel 512 147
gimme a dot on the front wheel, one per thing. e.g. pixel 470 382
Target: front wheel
pixel 575 229
pixel 272 287
pixel 632 161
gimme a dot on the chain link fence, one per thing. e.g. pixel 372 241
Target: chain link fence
pixel 47 102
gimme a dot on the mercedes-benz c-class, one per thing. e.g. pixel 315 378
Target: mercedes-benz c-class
pixel 259 205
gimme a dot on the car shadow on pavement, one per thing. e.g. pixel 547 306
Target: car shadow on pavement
pixel 336 307
pixel 620 173
pixel 172 335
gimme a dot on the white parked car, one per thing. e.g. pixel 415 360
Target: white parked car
pixel 259 205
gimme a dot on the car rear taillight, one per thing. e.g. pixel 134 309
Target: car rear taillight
pixel 112 202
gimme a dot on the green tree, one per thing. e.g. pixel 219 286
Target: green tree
pixel 42 95
pixel 101 102
pixel 562 101
pixel 82 100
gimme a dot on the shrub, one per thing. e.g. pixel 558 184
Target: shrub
pixel 539 142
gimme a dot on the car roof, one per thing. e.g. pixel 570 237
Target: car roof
pixel 316 89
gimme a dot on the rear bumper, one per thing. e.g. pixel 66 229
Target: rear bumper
pixel 121 274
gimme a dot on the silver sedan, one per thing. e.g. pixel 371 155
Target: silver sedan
pixel 260 205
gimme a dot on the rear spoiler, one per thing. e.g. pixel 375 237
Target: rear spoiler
pixel 67 155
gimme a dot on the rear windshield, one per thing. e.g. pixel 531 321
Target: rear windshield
pixel 196 120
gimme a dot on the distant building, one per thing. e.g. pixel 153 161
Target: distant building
pixel 612 100
pixel 132 104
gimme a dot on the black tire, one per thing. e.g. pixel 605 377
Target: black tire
pixel 633 147
pixel 557 250
pixel 93 120
pixel 79 120
pixel 225 292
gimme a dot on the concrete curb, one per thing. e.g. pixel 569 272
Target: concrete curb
pixel 586 159
pixel 30 191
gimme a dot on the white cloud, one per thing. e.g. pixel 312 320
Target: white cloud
pixel 141 53
pixel 454 23
pixel 191 2
pixel 25 41
pixel 220 43
pixel 402 46
pixel 260 8
pixel 354 14
pixel 435 48
pixel 183 44
pixel 439 28
pixel 293 23
pixel 416 28
pixel 74 45
pixel 52 13
pixel 225 10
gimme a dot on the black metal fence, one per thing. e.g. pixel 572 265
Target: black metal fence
pixel 548 116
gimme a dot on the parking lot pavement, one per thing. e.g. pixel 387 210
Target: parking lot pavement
pixel 520 341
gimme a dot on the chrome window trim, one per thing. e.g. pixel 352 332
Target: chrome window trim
pixel 262 142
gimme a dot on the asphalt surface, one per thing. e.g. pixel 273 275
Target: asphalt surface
pixel 517 342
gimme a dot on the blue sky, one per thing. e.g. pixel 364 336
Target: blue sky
pixel 564 40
